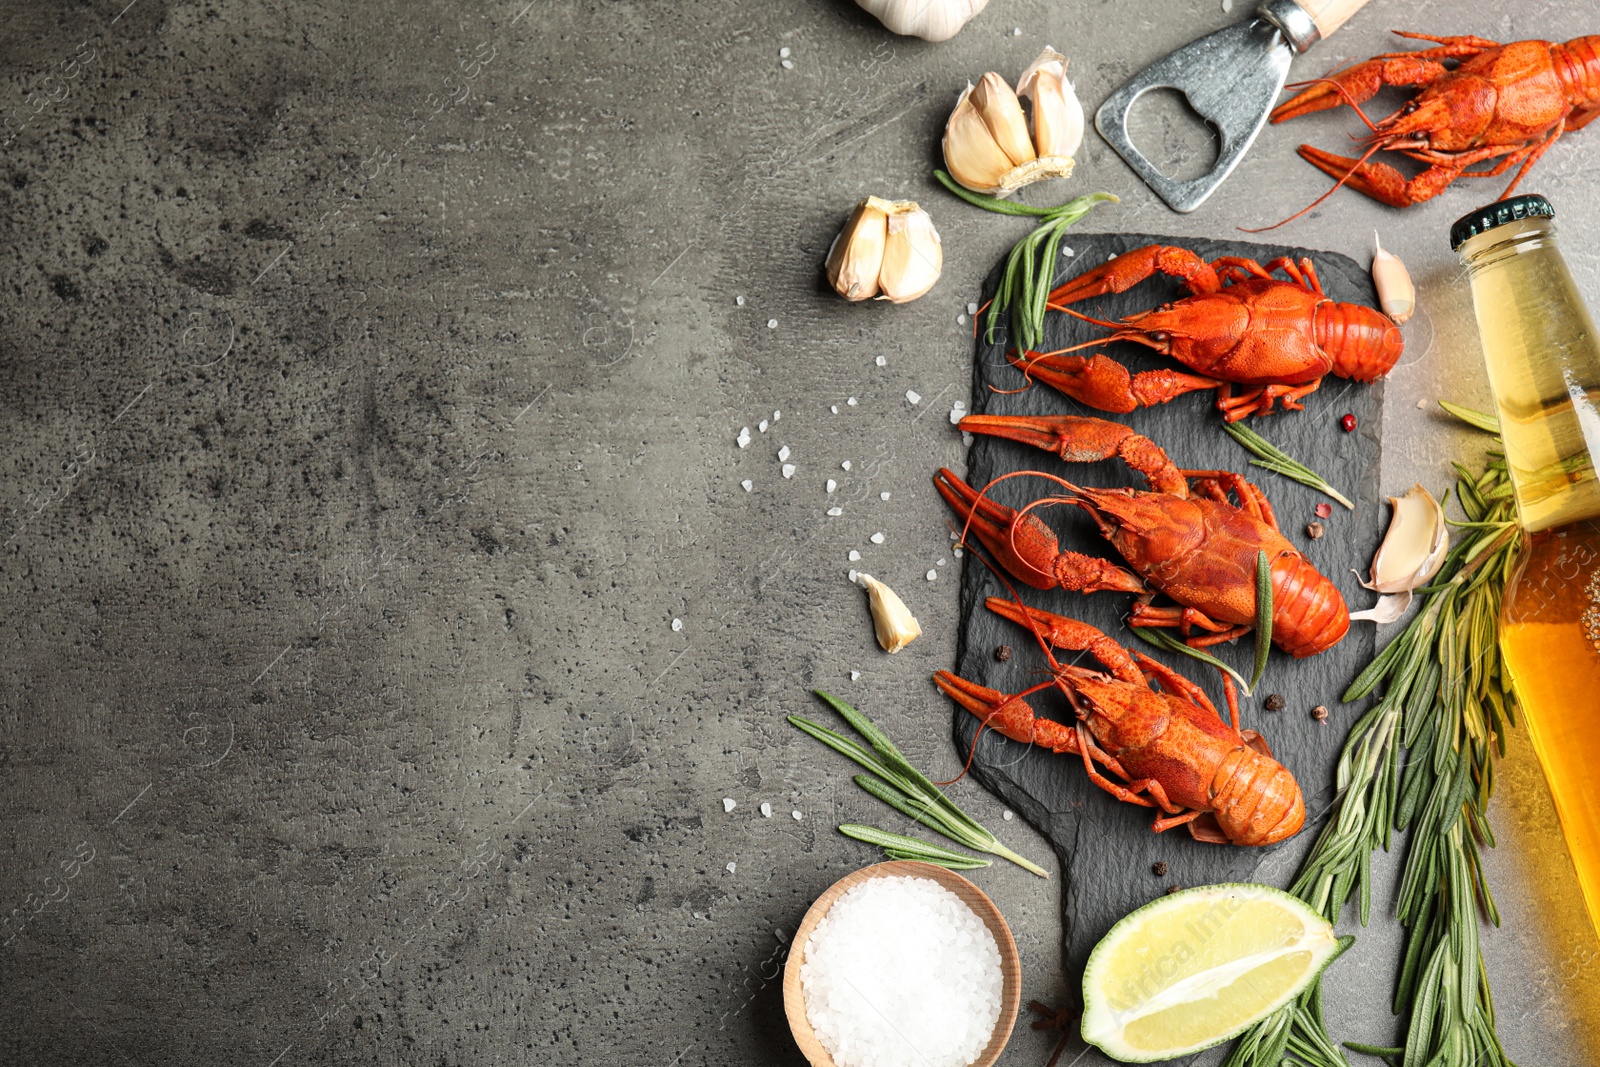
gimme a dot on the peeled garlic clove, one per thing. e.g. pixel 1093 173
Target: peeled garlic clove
pixel 892 621
pixel 932 20
pixel 1057 116
pixel 1414 548
pixel 1002 113
pixel 856 258
pixel 913 255
pixel 970 152
pixel 1396 295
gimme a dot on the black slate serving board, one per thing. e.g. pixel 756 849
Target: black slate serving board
pixel 1106 848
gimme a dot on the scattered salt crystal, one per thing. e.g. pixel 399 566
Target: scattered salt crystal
pixel 784 53
pixel 854 555
pixel 772 324
pixel 739 300
pixel 897 956
pixel 836 512
pixel 845 465
pixel 956 415
pixel 834 409
pixel 851 401
pixel 884 496
pixel 954 536
pixel 972 309
pixel 748 485
pixel 766 810
pixel 940 563
pixel 1227 6
pixel 854 574
pixel 966 438
pixel 783 453
pixel 880 361
pixel 1422 404
pixel 1068 252
pixel 776 415
pixel 855 676
pixel 744 436
pixel 961 320
pixel 877 538
pixel 831 485
pixel 1008 816
pixel 1016 31
pixel 797 815
pixel 956 552
pixel 732 866
pixel 932 574
pixel 788 470
pixel 762 425
pixel 677 625
pixel 788 64
pixel 913 396
pixel 728 804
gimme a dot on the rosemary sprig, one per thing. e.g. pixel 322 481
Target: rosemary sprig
pixel 1447 701
pixel 1278 461
pixel 901 847
pixel 902 786
pixel 1030 270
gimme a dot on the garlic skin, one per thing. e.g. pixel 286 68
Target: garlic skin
pixel 932 20
pixel 892 621
pixel 888 249
pixel 991 147
pixel 1396 293
pixel 1412 552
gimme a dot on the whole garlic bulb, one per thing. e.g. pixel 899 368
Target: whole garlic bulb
pixel 991 147
pixel 932 20
pixel 888 249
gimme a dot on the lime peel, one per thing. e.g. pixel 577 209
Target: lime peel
pixel 1162 984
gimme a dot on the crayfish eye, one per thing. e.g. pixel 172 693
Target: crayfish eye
pixel 1411 105
pixel 1160 338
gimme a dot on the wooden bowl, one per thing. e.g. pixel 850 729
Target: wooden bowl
pixel 794 1001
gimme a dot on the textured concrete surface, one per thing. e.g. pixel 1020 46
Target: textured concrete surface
pixel 371 383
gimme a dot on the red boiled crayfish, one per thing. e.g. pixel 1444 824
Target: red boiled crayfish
pixel 1199 548
pixel 1169 746
pixel 1505 102
pixel 1240 326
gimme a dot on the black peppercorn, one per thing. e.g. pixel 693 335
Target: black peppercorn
pixel 1002 652
pixel 1159 868
pixel 1274 702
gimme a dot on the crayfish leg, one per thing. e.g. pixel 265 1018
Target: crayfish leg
pixel 1167 822
pixel 1182 617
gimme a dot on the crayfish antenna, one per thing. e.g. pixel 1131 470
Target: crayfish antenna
pixel 1368 154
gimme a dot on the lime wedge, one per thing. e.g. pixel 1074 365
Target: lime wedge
pixel 1195 968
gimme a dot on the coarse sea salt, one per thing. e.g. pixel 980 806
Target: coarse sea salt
pixel 901 973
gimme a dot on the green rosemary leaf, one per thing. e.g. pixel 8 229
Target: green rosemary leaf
pixel 1275 459
pixel 919 809
pixel 990 203
pixel 1263 617
pixel 967 863
pixel 1486 423
pixel 1161 639
pixel 901 847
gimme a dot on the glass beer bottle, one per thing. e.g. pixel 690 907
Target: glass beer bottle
pixel 1543 356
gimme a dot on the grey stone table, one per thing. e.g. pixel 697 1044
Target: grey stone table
pixel 385 618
